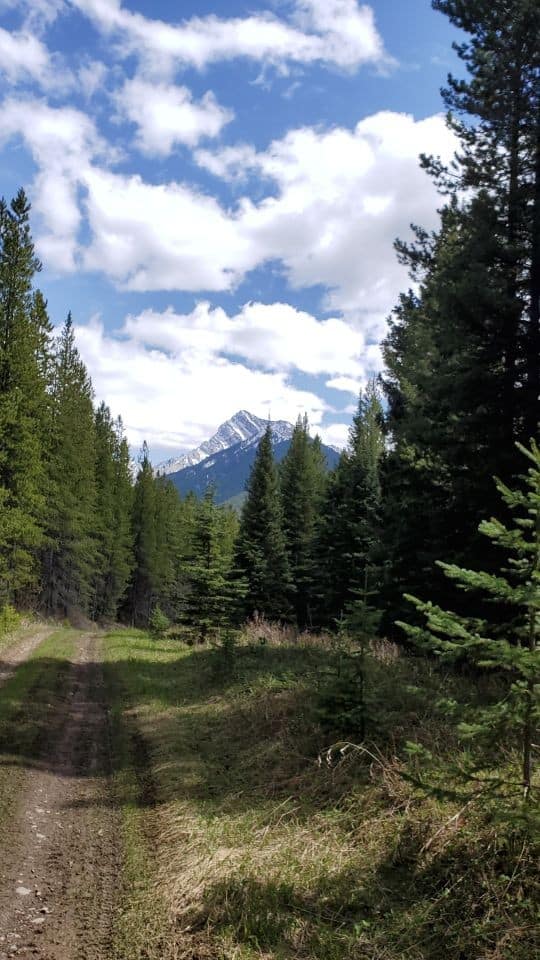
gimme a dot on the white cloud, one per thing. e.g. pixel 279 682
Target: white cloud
pixel 339 32
pixel 346 384
pixel 23 57
pixel 339 199
pixel 335 435
pixel 167 115
pixel 38 13
pixel 273 336
pixel 62 142
pixel 91 77
pixel 161 236
pixel 342 198
pixel 177 400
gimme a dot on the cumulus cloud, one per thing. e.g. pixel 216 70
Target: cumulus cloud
pixel 24 57
pixel 336 200
pixel 274 336
pixel 62 142
pixel 166 115
pixel 161 236
pixel 346 384
pixel 176 400
pixel 335 435
pixel 339 32
pixel 342 197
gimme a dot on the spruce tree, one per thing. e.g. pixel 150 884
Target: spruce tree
pixel 24 367
pixel 499 159
pixel 302 480
pixel 214 593
pixel 463 349
pixel 144 578
pixel 168 546
pixel 113 515
pixel 261 554
pixel 70 555
pixel 348 542
pixel 122 548
pixel 514 653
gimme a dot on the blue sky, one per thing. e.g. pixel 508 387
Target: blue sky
pixel 216 188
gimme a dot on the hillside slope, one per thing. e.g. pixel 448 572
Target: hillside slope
pixel 229 469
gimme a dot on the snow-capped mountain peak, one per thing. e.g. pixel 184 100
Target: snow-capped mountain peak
pixel 243 427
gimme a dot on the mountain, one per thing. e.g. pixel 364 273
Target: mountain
pixel 228 469
pixel 244 427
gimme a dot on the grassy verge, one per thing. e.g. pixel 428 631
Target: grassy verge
pixel 245 842
pixel 28 701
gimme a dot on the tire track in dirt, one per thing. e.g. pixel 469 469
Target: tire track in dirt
pixel 60 877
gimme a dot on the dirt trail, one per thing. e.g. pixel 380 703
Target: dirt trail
pixel 60 877
pixel 20 650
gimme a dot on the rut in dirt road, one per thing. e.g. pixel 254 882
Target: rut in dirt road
pixel 60 876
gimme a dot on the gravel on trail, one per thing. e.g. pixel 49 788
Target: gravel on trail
pixel 60 866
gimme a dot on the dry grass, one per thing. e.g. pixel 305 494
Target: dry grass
pixel 266 844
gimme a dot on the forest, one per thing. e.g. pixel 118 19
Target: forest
pixel 426 535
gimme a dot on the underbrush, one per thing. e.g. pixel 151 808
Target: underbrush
pixel 10 620
pixel 268 833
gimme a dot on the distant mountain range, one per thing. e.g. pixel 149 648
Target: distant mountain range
pixel 244 427
pixel 226 459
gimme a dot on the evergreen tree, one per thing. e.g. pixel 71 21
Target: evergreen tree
pixel 515 653
pixel 348 543
pixel 122 548
pixel 144 578
pixel 500 159
pixel 462 354
pixel 168 547
pixel 214 593
pixel 113 515
pixel 70 555
pixel 261 552
pixel 24 365
pixel 302 480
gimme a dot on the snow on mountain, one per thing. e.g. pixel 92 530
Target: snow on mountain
pixel 243 427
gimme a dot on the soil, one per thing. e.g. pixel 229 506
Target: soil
pixel 60 873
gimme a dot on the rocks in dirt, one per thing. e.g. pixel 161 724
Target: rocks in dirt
pixel 23 891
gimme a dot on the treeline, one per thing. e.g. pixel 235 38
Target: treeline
pixel 77 534
pixel 461 386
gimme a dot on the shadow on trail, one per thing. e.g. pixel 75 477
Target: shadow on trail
pixel 242 736
pixel 216 750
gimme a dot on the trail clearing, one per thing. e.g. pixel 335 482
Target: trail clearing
pixel 60 866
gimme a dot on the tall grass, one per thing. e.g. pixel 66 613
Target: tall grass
pixel 259 833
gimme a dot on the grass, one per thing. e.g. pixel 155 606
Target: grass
pixel 28 700
pixel 10 622
pixel 245 839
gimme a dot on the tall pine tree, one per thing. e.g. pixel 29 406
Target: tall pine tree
pixel 462 354
pixel 113 515
pixel 24 367
pixel 71 552
pixel 348 541
pixel 144 578
pixel 261 554
pixel 302 481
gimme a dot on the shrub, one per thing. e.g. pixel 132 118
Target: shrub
pixel 158 623
pixel 9 619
